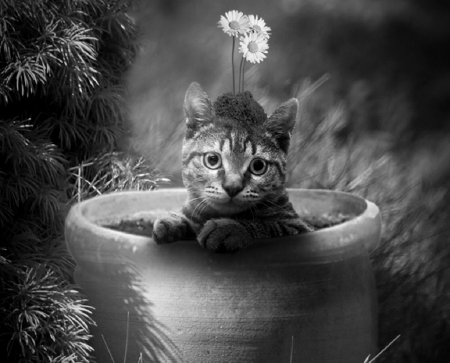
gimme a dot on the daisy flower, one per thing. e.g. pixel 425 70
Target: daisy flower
pixel 253 46
pixel 234 23
pixel 259 25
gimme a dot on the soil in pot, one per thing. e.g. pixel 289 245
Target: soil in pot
pixel 144 226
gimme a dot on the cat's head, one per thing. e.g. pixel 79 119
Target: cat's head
pixel 234 156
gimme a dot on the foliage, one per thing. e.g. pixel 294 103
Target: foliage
pixel 62 70
pixel 114 171
pixel 61 102
pixel 241 107
pixel 39 307
pixel 32 168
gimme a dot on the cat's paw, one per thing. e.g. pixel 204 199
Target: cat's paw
pixel 170 228
pixel 224 235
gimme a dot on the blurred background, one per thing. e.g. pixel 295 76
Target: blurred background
pixel 387 62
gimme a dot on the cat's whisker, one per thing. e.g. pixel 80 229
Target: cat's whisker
pixel 201 207
pixel 273 206
pixel 192 191
pixel 205 204
pixel 194 199
pixel 252 207
pixel 197 206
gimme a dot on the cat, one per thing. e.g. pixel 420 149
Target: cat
pixel 234 169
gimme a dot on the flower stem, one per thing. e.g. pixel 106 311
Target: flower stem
pixel 240 74
pixel 232 63
pixel 243 73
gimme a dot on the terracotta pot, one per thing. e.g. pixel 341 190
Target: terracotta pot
pixel 306 298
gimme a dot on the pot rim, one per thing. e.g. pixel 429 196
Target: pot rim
pixel 365 226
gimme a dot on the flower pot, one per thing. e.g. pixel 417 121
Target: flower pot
pixel 305 298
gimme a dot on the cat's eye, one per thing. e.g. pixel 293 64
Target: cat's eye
pixel 258 166
pixel 212 160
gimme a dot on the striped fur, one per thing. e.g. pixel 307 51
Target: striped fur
pixel 234 172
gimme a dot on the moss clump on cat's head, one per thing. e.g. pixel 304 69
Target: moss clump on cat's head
pixel 240 107
pixel 238 112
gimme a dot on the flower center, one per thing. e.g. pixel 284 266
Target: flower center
pixel 252 47
pixel 257 28
pixel 234 25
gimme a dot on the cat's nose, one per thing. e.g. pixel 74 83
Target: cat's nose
pixel 233 189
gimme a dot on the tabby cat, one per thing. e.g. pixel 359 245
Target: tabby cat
pixel 234 168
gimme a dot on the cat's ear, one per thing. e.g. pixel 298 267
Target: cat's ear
pixel 197 106
pixel 281 123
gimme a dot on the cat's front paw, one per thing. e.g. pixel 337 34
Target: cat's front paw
pixel 170 228
pixel 224 235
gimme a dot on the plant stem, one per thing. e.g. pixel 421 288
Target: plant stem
pixel 243 72
pixel 126 341
pixel 232 63
pixel 292 349
pixel 107 348
pixel 241 76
